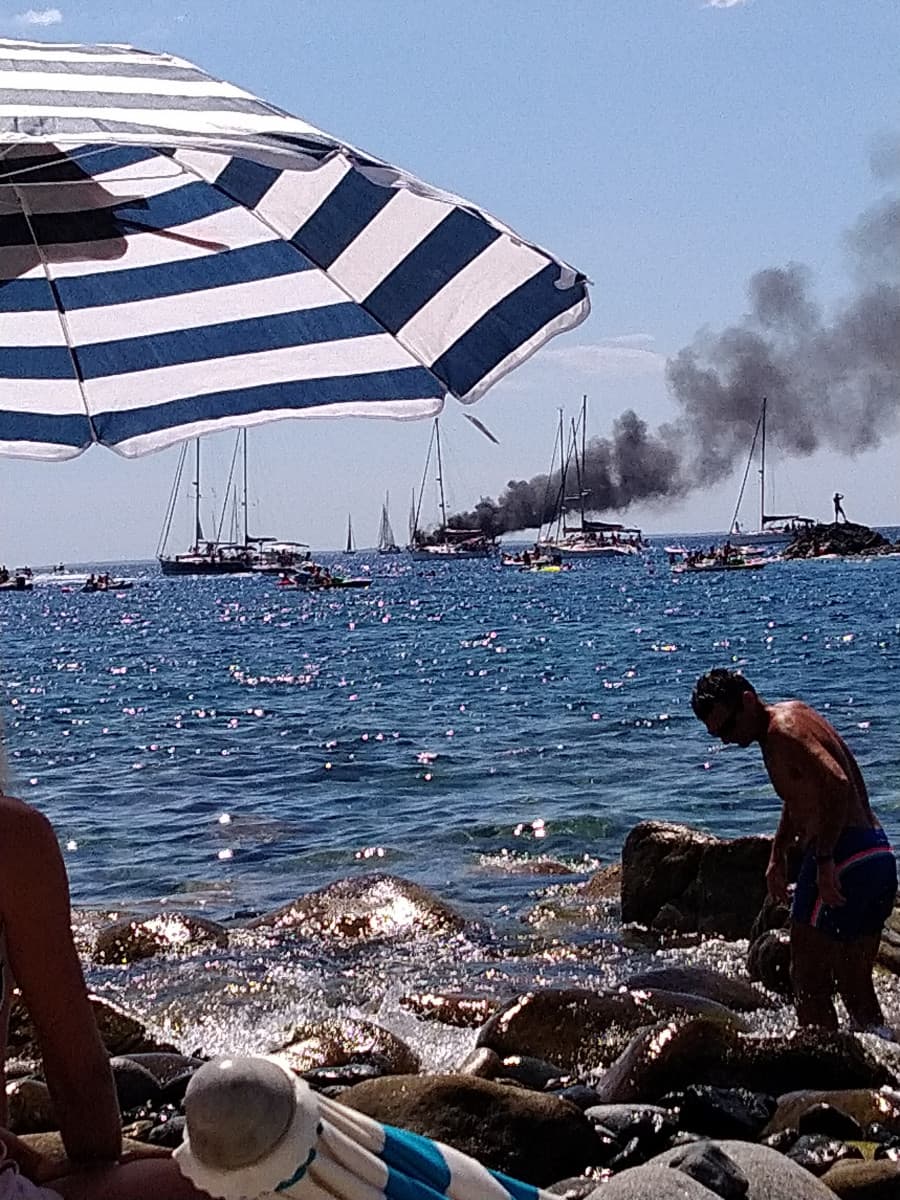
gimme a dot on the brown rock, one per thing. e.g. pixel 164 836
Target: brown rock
pixel 605 883
pixel 130 941
pixel 865 1105
pixel 463 1012
pixel 769 962
pixel 120 1032
pixel 363 909
pixel 30 1106
pixel 575 1028
pixel 737 994
pixel 878 1180
pixel 51 1160
pixel 531 1136
pixel 696 881
pixel 335 1043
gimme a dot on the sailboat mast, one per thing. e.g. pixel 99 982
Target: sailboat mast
pixel 762 468
pixel 564 465
pixel 581 472
pixel 198 530
pixel 246 527
pixel 349 533
pixel 440 477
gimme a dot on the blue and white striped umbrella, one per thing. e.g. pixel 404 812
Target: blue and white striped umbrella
pixel 178 256
pixel 255 1131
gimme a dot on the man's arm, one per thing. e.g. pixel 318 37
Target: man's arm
pixel 776 872
pixel 44 963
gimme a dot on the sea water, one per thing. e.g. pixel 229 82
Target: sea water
pixel 222 746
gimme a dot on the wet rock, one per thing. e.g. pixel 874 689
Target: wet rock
pixel 576 1028
pixel 715 886
pixel 673 1056
pixel 864 1105
pixel 708 1164
pixel 864 1180
pixel 528 1135
pixel 576 1188
pixel 365 908
pixel 335 1043
pixel 816 1153
pixel 770 1175
pixel 721 1112
pixel 168 1133
pixel 828 1121
pixel 769 962
pixel 323 1078
pixel 604 884
pixel 30 1106
pixel 481 1063
pixel 772 915
pixel 165 1067
pixel 130 941
pixel 463 1012
pixel 529 1072
pixel 135 1085
pixel 579 1094
pixel 120 1032
pixel 737 994
pixel 632 1134
pixel 667 1058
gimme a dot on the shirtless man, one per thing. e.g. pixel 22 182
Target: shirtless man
pixel 848 878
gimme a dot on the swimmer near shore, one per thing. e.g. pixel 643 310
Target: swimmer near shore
pixel 847 881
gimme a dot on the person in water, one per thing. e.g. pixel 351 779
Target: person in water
pixel 847 883
pixel 38 955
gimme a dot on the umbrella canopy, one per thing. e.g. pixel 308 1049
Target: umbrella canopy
pixel 178 256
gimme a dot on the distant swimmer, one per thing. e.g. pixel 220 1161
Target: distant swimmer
pixel 847 882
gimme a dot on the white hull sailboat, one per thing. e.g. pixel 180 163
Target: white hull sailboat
pixel 585 538
pixel 444 544
pixel 773 530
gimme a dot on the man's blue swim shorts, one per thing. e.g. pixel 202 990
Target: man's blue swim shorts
pixel 867 876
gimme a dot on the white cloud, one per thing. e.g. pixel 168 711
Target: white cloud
pixel 618 356
pixel 46 16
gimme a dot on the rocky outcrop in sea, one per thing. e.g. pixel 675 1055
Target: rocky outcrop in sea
pixel 844 538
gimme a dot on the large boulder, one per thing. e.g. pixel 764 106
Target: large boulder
pixel 578 1029
pixel 677 877
pixel 671 1057
pixel 528 1135
pixel 837 537
pixel 735 993
pixel 770 1175
pixel 865 1105
pixel 864 1180
pixel 130 940
pixel 366 908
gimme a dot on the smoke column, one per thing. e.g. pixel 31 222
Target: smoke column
pixel 830 383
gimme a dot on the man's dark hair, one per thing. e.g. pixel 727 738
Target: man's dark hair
pixel 719 687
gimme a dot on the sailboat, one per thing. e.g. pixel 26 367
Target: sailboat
pixel 206 556
pixel 386 542
pixel 773 529
pixel 350 548
pixel 445 542
pixel 584 537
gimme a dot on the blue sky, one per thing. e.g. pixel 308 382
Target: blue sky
pixel 667 148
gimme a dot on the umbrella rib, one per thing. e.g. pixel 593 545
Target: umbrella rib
pixel 60 312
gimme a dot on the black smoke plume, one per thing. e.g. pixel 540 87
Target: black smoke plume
pixel 831 383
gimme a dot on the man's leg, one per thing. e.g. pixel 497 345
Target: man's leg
pixel 145 1179
pixel 813 975
pixel 853 969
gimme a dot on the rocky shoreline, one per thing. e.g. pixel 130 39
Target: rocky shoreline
pixel 842 538
pixel 663 1087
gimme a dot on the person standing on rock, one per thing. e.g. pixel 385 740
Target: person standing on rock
pixel 838 507
pixel 847 883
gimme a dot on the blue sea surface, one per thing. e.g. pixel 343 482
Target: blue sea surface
pixel 225 745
